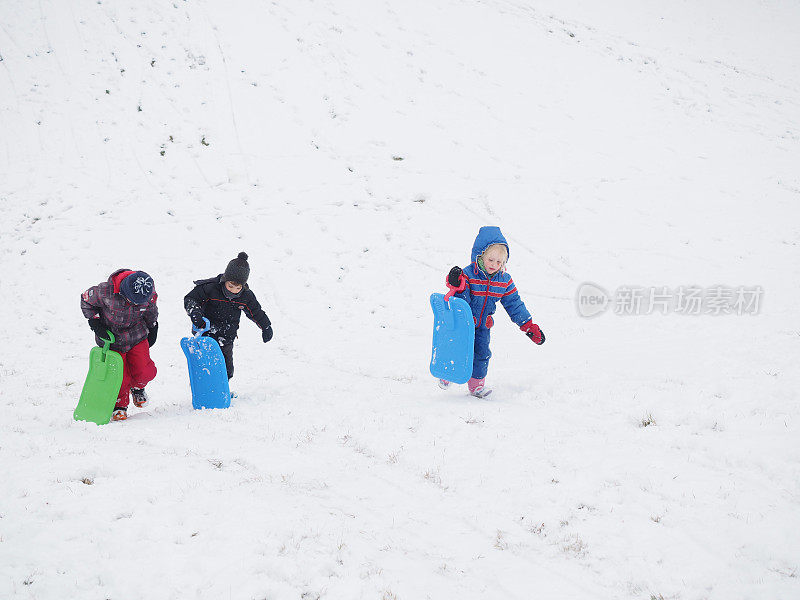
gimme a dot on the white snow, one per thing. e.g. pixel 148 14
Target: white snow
pixel 353 149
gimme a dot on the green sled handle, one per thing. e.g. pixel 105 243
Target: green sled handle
pixel 107 345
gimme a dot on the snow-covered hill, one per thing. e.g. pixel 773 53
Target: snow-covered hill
pixel 353 149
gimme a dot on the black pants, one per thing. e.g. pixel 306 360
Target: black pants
pixel 227 352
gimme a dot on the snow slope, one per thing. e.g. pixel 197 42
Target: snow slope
pixel 353 149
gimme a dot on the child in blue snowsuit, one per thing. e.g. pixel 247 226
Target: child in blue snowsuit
pixel 482 284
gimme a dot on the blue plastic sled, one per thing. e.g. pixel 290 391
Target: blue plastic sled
pixel 207 374
pixel 453 339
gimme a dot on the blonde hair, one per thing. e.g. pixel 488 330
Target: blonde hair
pixel 501 247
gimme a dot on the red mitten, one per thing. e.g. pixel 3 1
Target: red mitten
pixel 532 330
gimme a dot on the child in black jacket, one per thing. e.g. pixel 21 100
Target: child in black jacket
pixel 221 300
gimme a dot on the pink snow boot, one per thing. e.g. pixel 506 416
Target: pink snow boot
pixel 477 388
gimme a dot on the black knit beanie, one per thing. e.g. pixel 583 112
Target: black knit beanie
pixel 238 270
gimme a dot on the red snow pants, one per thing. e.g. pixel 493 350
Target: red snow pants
pixel 138 370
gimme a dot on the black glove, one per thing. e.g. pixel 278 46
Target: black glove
pixel 99 329
pixel 151 337
pixel 454 276
pixel 266 333
pixel 197 320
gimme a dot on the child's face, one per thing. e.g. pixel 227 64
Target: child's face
pixel 233 288
pixel 493 260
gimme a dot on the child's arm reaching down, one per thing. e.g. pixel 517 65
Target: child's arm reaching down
pixel 515 308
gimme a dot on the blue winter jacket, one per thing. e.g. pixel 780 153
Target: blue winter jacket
pixel 483 291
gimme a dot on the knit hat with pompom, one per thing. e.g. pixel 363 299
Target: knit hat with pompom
pixel 238 270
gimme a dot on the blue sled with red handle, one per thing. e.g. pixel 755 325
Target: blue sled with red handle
pixel 453 338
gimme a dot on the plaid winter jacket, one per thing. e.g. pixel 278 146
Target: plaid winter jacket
pixel 130 323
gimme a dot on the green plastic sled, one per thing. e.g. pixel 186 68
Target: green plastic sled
pixel 102 385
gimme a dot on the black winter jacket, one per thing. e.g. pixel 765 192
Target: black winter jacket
pixel 208 300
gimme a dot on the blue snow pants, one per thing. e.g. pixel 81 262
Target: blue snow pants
pixel 480 363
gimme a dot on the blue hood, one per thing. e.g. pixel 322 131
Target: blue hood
pixel 487 236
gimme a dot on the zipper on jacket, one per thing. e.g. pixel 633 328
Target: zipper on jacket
pixel 485 298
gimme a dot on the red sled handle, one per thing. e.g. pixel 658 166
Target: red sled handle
pixel 451 289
